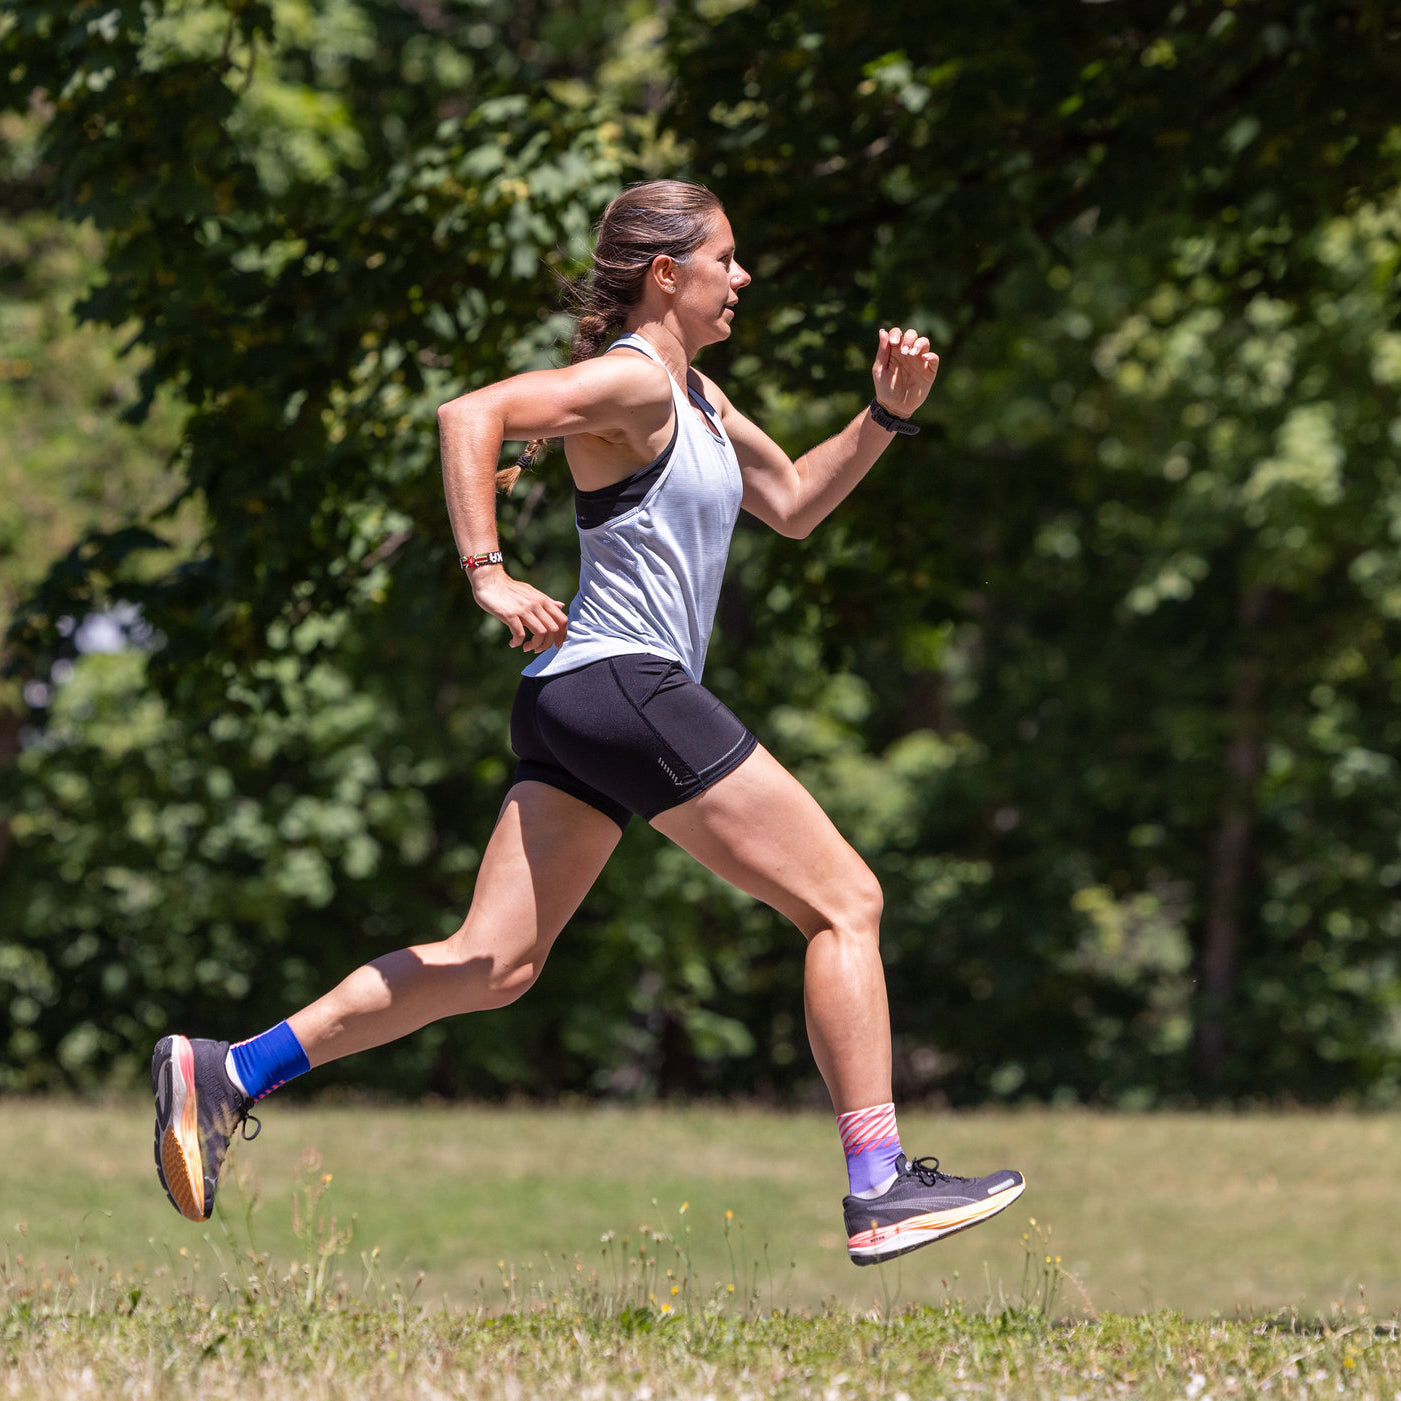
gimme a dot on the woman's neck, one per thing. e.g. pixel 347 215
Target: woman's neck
pixel 667 342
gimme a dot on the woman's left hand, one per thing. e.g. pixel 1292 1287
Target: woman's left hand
pixel 904 370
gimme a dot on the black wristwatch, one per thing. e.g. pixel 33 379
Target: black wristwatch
pixel 889 422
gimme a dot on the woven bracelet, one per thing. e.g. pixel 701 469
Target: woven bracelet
pixel 471 562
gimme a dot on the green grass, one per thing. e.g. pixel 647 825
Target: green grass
pixel 556 1259
pixel 1197 1213
pixel 287 1349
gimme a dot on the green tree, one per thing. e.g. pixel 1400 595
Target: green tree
pixel 1098 671
pixel 69 465
pixel 325 223
pixel 1115 590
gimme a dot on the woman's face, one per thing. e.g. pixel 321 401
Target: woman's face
pixel 708 285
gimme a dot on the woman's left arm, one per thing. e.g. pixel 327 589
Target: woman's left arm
pixel 793 497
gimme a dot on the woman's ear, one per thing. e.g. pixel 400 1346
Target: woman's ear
pixel 663 273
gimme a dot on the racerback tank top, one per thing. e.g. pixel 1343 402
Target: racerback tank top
pixel 649 576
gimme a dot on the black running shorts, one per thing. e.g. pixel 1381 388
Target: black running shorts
pixel 628 734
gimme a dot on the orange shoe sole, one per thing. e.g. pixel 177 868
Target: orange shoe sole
pixel 181 1158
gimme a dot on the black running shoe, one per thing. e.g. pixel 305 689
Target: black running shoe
pixel 197 1110
pixel 922 1205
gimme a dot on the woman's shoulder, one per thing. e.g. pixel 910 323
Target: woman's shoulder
pixel 630 378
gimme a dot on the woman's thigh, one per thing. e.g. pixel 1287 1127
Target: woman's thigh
pixel 762 831
pixel 545 853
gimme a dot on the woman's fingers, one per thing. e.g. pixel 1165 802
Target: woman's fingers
pixel 545 629
pixel 904 369
pixel 548 630
pixel 549 625
pixel 895 345
pixel 535 621
pixel 912 343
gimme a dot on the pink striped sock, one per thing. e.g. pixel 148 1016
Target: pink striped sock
pixel 871 1143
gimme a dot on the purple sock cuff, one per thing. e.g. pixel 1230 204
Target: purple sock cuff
pixel 269 1060
pixel 871 1142
pixel 869 1169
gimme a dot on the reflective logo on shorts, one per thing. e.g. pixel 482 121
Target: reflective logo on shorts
pixel 669 771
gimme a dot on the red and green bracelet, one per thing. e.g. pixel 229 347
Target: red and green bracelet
pixel 471 562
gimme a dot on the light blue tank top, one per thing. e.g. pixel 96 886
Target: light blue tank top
pixel 649 578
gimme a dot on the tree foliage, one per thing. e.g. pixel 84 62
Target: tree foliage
pixel 1136 567
pixel 1098 672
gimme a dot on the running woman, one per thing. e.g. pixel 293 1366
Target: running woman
pixel 611 719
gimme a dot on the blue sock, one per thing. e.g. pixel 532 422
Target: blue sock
pixel 267 1061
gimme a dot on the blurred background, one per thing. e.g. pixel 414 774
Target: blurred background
pixel 1100 672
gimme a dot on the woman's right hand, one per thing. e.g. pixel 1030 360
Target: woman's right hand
pixel 536 621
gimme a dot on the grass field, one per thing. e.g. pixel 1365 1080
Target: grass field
pixel 591 1252
pixel 1198 1213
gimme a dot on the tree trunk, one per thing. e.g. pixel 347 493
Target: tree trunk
pixel 1232 850
pixel 9 753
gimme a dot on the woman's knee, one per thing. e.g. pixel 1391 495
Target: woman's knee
pixel 491 978
pixel 870 899
pixel 856 902
pixel 506 983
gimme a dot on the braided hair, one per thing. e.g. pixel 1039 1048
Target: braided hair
pixel 671 217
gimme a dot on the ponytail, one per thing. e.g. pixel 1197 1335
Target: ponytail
pixel 671 217
pixel 507 477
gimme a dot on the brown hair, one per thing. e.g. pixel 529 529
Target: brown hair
pixel 671 217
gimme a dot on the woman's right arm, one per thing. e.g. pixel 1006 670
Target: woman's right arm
pixel 612 395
